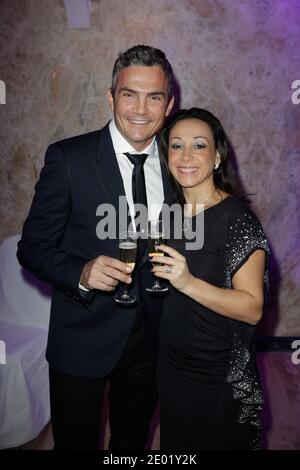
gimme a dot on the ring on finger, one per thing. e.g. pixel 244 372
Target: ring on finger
pixel 169 269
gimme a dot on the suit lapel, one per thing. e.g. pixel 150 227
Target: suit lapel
pixel 109 175
pixel 108 168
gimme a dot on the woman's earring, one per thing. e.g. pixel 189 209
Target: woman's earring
pixel 216 166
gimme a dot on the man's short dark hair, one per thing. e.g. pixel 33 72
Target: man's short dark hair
pixel 146 56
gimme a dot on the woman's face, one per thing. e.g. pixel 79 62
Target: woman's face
pixel 192 153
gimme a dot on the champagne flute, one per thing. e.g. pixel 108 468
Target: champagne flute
pixel 127 254
pixel 156 236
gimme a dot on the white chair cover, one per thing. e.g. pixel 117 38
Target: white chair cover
pixel 24 318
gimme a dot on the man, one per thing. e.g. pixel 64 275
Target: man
pixel 92 339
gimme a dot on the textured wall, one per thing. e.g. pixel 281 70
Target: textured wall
pixel 236 58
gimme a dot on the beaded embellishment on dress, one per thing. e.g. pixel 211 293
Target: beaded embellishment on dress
pixel 245 236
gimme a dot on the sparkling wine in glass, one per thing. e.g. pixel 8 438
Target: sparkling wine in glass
pixel 156 236
pixel 127 254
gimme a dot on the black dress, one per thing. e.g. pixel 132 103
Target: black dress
pixel 210 393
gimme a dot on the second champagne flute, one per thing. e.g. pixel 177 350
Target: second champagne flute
pixel 156 236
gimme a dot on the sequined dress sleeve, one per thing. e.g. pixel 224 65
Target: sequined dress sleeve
pixel 243 235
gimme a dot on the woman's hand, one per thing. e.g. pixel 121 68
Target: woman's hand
pixel 173 267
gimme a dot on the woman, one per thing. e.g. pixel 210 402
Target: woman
pixel 209 388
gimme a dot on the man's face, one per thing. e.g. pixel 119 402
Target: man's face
pixel 140 103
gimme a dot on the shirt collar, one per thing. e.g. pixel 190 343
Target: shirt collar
pixel 121 145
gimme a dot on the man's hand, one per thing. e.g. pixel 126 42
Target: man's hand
pixel 104 273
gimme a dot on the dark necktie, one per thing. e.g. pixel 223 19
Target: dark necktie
pixel 139 194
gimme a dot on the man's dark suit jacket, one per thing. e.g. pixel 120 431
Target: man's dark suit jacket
pixel 86 335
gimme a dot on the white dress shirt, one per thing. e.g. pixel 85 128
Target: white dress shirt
pixel 152 171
